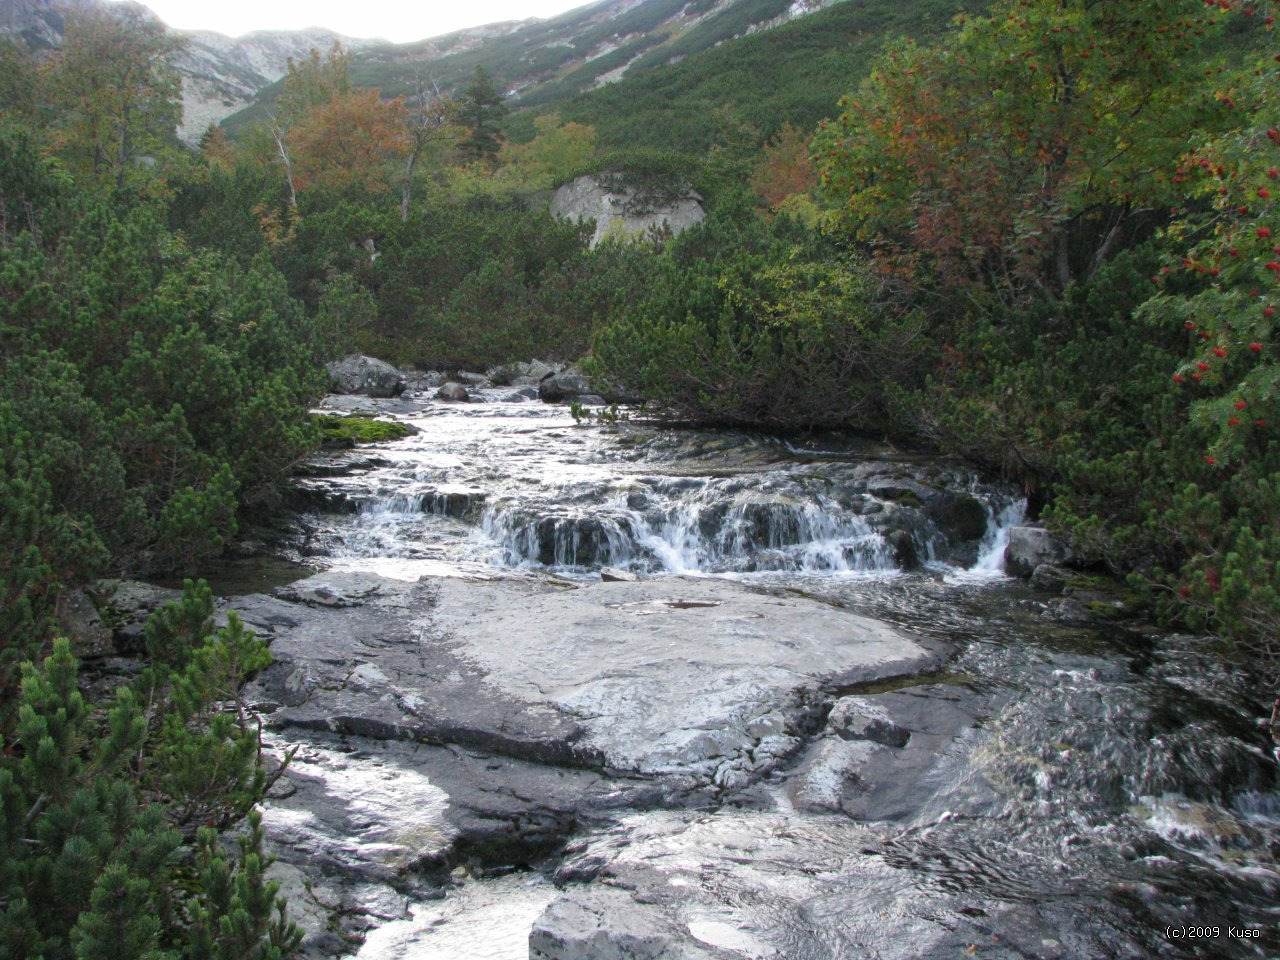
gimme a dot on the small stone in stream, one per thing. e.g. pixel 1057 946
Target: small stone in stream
pixel 860 718
pixel 453 393
pixel 614 575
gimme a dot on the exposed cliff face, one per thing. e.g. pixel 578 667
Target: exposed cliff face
pixel 37 23
pixel 221 74
pixel 620 211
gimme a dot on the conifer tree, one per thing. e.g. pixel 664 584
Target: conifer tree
pixel 482 110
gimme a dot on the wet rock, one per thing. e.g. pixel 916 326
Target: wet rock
pixel 614 575
pixel 862 718
pixel 459 504
pixel 519 396
pixel 365 375
pixel 602 923
pixel 342 464
pixel 591 400
pixel 905 554
pixel 453 393
pixel 325 590
pixel 472 379
pixel 79 620
pixel 669 886
pixel 959 516
pixel 699 682
pixel 564 386
pixel 1048 576
pixel 1029 547
pixel 882 756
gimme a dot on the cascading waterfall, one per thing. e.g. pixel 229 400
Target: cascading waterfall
pixel 692 534
pixel 991 548
pixel 701 512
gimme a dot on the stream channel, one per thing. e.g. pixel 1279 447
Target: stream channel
pixel 819 723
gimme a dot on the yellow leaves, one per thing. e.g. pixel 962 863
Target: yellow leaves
pixel 786 169
pixel 349 141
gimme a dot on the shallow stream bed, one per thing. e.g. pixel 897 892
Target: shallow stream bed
pixel 821 724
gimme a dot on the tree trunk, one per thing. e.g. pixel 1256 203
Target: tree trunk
pixel 406 188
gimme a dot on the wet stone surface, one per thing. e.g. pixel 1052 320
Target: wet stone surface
pixel 756 737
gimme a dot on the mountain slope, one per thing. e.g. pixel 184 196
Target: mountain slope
pixel 220 74
pixel 543 61
pixel 793 73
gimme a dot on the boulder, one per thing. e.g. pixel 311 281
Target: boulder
pixel 367 376
pixel 591 400
pixel 1029 547
pixel 561 387
pixel 958 515
pixel 537 370
pixel 472 379
pixel 623 212
pixel 522 394
pixel 1050 577
pixel 453 393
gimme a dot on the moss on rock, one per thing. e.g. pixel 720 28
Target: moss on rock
pixel 338 431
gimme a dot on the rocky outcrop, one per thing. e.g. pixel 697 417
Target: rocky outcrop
pixel 1029 547
pixel 423 738
pixel 623 211
pixel 366 376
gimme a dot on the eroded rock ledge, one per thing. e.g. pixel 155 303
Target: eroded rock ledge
pixel 452 722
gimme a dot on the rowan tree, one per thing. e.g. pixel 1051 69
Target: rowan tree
pixel 1015 157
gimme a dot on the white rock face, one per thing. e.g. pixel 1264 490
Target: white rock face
pixel 221 75
pixel 622 213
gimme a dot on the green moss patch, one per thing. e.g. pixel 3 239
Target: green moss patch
pixel 336 431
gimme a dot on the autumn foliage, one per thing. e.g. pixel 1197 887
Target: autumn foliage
pixel 349 142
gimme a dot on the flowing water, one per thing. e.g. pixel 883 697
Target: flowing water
pixel 1116 781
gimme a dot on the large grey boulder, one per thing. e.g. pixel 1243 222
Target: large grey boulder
pixel 1029 547
pixel 367 376
pixel 620 211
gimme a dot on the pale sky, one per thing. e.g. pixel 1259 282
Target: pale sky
pixel 397 21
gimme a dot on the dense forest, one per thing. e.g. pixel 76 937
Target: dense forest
pixel 1044 238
